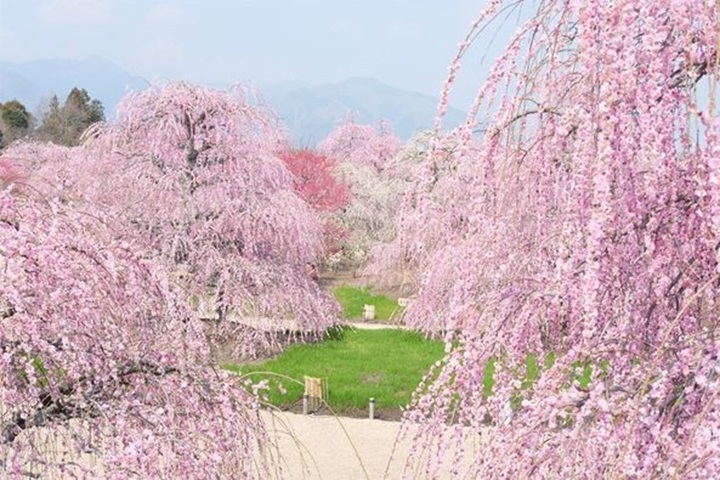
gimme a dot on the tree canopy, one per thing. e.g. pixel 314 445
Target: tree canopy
pixel 574 246
pixel 64 124
pixel 125 263
pixel 15 122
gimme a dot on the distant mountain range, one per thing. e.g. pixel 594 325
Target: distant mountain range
pixel 33 83
pixel 310 112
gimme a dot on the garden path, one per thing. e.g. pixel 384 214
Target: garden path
pixel 327 447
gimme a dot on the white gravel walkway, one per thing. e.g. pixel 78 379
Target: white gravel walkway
pixel 341 448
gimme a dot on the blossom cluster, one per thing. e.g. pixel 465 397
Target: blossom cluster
pixel 570 255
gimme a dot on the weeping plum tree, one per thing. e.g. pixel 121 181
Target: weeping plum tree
pixel 54 170
pixel 194 173
pixel 106 368
pixel 8 173
pixel 105 372
pixel 580 254
pixel 229 213
pixel 361 145
pixel 393 262
pixel 361 154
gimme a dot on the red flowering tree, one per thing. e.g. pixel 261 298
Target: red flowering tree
pixel 313 179
pixel 314 182
pixel 579 261
pixel 105 372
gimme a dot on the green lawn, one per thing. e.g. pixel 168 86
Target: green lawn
pixel 353 299
pixel 384 364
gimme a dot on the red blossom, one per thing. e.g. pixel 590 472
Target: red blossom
pixel 313 179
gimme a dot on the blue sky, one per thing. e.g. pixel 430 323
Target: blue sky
pixel 405 43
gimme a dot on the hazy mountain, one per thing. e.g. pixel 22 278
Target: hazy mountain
pixel 34 82
pixel 310 112
pixel 13 85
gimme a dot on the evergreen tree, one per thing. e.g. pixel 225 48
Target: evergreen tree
pixel 65 124
pixel 15 122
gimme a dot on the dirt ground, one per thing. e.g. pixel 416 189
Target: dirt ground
pixel 341 448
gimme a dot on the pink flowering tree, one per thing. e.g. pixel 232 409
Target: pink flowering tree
pixel 577 280
pixel 410 228
pixel 193 173
pixel 360 144
pixel 105 372
pixel 8 174
pixel 56 171
pixel 361 155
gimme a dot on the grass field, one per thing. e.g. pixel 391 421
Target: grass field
pixel 353 299
pixel 384 364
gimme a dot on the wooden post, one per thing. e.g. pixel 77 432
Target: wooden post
pixel 313 392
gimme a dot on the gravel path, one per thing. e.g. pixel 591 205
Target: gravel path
pixel 341 448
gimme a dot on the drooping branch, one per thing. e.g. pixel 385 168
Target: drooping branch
pixel 63 403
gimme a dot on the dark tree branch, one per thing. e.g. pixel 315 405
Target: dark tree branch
pixel 52 407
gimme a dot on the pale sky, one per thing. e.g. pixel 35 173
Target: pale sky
pixel 404 43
